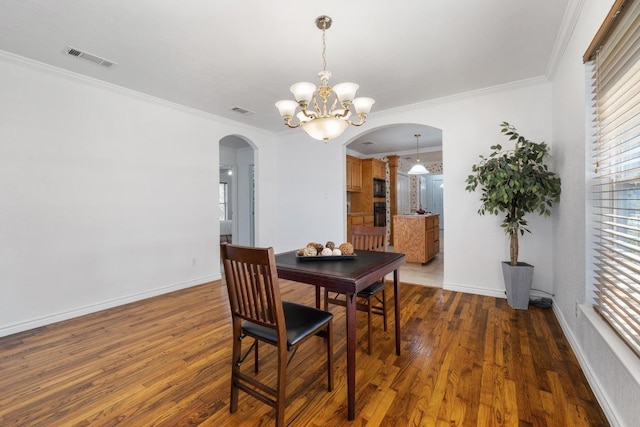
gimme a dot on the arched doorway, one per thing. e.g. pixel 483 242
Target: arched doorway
pixel 396 144
pixel 237 190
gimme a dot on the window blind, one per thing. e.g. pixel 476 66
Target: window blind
pixel 616 188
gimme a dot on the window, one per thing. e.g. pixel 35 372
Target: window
pixel 616 158
pixel 223 201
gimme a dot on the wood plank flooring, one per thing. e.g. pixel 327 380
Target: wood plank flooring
pixel 466 360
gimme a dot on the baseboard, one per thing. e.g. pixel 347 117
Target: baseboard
pixel 586 368
pixel 496 293
pixel 58 317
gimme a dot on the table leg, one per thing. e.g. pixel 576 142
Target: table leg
pixel 351 357
pixel 396 305
pixel 318 296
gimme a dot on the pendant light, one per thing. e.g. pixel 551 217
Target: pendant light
pixel 418 169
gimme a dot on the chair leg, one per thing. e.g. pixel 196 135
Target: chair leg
pixel 369 314
pixel 384 310
pixel 255 356
pixel 280 384
pixel 330 355
pixel 235 367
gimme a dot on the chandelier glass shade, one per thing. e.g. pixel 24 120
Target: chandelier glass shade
pixel 324 112
pixel 418 168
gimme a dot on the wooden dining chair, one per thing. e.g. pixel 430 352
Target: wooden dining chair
pixel 257 311
pixel 372 299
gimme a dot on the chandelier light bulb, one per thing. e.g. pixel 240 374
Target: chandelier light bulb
pixel 286 107
pixel 346 92
pixel 303 91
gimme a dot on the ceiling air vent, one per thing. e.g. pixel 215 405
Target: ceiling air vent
pixel 242 111
pixel 89 57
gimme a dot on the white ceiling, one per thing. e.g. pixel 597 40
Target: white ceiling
pixel 217 55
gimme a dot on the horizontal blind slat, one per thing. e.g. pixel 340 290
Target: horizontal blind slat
pixel 625 297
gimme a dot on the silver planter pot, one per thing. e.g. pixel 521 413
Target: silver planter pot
pixel 517 282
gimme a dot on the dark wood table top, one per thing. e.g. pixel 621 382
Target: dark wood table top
pixel 348 275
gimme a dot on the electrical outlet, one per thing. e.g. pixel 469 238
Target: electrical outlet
pixel 194 262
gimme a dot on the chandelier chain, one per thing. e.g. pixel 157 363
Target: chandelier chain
pixel 324 46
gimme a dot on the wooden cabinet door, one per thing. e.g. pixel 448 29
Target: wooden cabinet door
pixel 351 221
pixel 410 237
pixel 354 174
pixel 430 244
pixel 349 172
pixel 368 221
pixel 378 169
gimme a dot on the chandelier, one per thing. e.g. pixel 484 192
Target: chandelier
pixel 417 169
pixel 325 112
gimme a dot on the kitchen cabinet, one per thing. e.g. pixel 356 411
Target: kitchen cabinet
pixel 417 236
pixel 353 219
pixel 368 220
pixel 360 175
pixel 358 218
pixel 378 169
pixel 354 174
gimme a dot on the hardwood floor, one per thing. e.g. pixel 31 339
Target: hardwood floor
pixel 466 360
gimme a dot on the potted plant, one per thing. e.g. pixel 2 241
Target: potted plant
pixel 515 183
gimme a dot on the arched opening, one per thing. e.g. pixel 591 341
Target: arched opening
pixel 395 144
pixel 237 190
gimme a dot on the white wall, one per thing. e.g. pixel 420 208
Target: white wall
pixel 107 196
pixel 310 192
pixel 612 369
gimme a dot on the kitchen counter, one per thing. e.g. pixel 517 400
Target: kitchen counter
pixel 417 236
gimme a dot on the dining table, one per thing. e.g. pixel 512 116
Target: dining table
pixel 348 275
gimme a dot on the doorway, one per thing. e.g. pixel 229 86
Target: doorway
pixel 238 157
pixel 431 195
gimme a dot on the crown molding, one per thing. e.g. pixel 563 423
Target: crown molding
pixel 77 77
pixel 533 81
pixel 569 22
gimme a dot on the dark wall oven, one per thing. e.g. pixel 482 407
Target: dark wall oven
pixel 379 214
pixel 379 188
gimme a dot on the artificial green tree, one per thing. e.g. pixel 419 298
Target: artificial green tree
pixel 515 182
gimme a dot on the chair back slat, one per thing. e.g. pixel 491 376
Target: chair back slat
pixel 252 282
pixel 369 238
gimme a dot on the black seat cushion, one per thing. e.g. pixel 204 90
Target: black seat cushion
pixel 371 290
pixel 301 321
